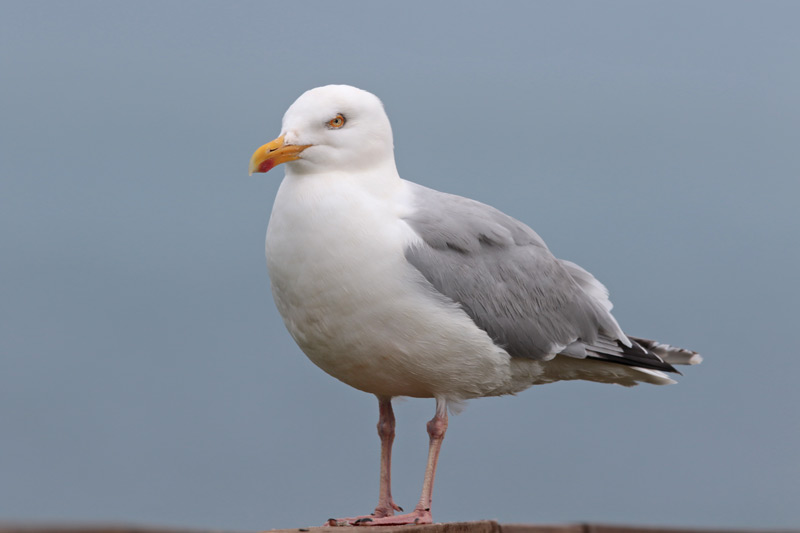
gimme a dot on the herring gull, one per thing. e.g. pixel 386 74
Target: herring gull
pixel 400 290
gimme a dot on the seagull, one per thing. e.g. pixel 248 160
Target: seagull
pixel 400 290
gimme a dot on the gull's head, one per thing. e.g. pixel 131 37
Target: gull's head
pixel 336 128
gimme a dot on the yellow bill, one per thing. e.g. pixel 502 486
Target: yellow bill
pixel 272 154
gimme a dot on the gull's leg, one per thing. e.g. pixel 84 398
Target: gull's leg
pixel 437 427
pixel 386 506
pixel 422 512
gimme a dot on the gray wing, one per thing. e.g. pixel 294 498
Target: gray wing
pixel 505 278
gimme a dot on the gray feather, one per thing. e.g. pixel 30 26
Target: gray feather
pixel 504 277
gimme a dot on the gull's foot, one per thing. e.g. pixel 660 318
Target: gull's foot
pixel 350 521
pixel 381 511
pixel 417 517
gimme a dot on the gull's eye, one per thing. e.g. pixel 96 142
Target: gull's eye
pixel 337 121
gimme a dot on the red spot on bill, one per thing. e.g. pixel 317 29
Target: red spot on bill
pixel 266 166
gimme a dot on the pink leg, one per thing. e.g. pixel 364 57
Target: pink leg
pixel 386 506
pixel 422 512
pixel 437 427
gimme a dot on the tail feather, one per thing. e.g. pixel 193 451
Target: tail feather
pixel 670 354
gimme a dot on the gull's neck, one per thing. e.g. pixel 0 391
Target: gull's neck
pixel 380 180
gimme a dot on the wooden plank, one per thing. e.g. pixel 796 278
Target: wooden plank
pixel 483 526
pixel 545 528
pixel 611 528
pixel 614 528
pixel 98 528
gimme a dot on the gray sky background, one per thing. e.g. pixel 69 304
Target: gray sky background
pixel 145 375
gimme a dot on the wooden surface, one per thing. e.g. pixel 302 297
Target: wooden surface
pixel 486 526
pixel 490 526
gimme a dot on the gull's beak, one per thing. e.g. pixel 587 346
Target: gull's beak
pixel 273 154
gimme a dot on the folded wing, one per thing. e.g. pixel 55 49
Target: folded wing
pixel 504 277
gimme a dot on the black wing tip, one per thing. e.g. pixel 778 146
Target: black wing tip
pixel 668 353
pixel 637 355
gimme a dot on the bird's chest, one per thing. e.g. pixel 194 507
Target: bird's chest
pixel 330 253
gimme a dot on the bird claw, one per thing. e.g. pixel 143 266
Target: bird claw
pixel 417 517
pixel 344 522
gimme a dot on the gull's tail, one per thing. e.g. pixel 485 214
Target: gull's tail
pixel 646 360
pixel 670 354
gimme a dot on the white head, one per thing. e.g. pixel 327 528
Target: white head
pixel 331 128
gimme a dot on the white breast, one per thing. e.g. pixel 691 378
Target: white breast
pixel 335 253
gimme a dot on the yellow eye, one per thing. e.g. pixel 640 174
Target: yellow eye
pixel 337 121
